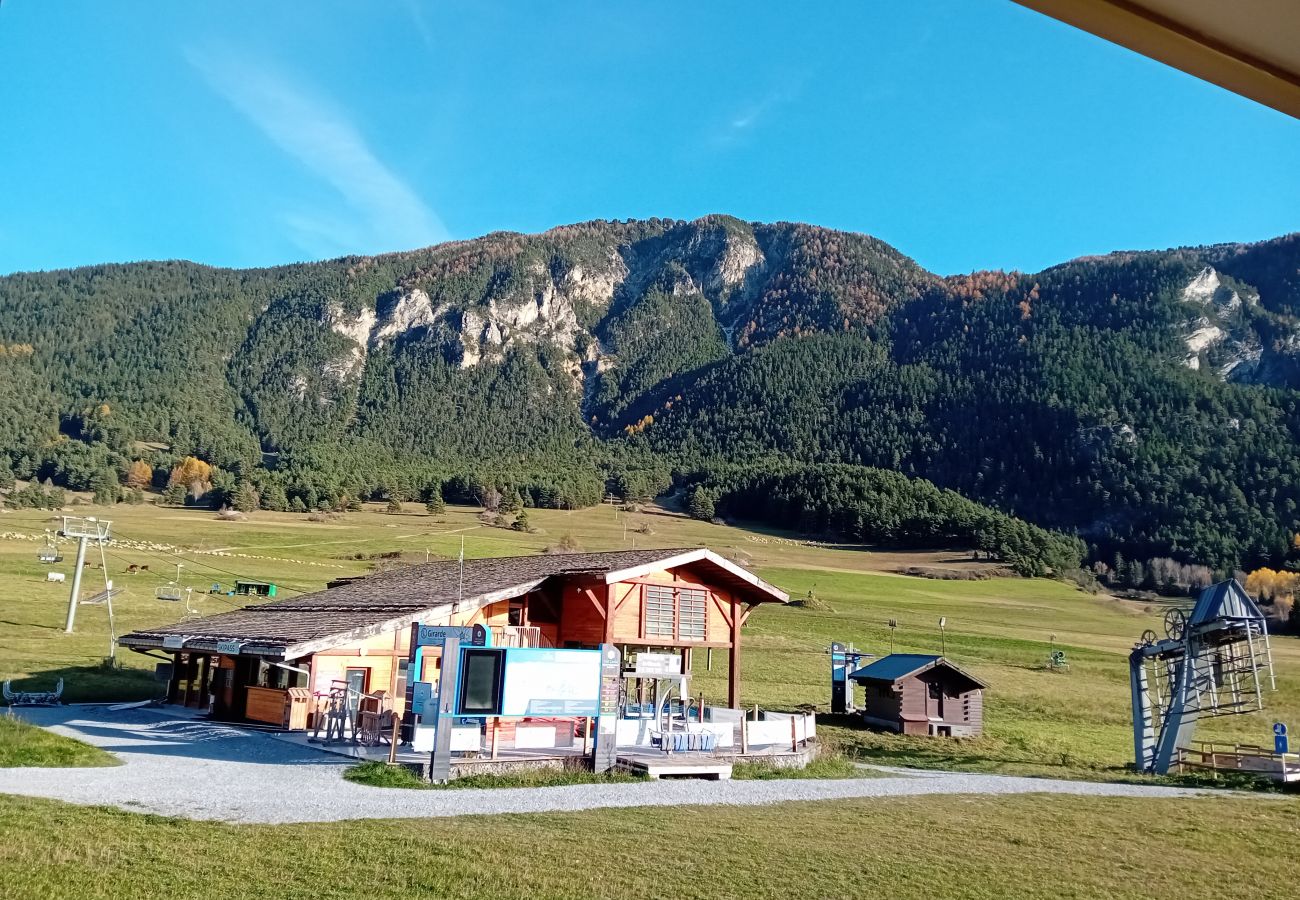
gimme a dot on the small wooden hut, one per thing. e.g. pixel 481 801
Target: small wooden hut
pixel 914 693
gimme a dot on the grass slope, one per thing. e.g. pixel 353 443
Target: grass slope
pixel 932 847
pixel 22 744
pixel 1037 721
pixel 380 774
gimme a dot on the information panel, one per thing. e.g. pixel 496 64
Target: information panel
pixel 543 682
pixel 605 753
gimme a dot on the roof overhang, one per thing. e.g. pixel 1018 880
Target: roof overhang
pixel 861 675
pixel 1250 47
pixel 287 650
pixel 758 589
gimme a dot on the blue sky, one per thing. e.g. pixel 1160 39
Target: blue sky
pixel 970 134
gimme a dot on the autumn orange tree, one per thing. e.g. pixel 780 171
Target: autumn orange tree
pixel 193 474
pixel 1279 587
pixel 139 476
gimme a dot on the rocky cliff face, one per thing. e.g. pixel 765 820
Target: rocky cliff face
pixel 1238 338
pixel 573 291
pixel 601 307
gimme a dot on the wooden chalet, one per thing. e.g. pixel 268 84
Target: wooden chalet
pixel 262 663
pixel 913 693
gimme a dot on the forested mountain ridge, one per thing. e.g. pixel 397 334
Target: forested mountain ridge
pixel 1145 401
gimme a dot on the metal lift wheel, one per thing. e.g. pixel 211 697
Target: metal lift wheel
pixel 1175 624
pixel 1148 637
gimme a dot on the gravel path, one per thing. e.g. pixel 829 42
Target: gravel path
pixel 206 771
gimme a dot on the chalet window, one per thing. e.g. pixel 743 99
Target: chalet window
pixel 936 690
pixel 659 612
pixel 692 614
pixel 676 613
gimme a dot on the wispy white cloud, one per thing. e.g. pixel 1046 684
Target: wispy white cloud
pixel 749 116
pixel 381 211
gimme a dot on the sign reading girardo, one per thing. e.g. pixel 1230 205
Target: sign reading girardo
pixel 429 635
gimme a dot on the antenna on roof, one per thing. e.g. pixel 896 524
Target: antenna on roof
pixel 893 624
pixel 943 640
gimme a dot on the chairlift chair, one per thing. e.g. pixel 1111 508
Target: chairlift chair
pixel 172 590
pixel 50 552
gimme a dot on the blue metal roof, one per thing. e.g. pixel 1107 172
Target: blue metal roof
pixel 895 666
pixel 899 665
pixel 1225 600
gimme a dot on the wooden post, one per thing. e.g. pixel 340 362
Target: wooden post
pixel 609 614
pixel 733 673
pixel 495 723
pixel 794 735
pixel 586 735
pixel 394 738
pixel 203 681
pixel 173 683
pixel 744 735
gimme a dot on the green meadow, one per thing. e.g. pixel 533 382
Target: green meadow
pixel 1038 721
pixel 978 848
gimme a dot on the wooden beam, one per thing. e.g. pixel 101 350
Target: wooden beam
pixel 733 672
pixel 666 642
pixel 191 666
pixel 203 679
pixel 596 601
pixel 392 675
pixel 627 595
pixel 609 614
pixel 173 684
pixel 357 654
pixel 1177 40
pixel 726 609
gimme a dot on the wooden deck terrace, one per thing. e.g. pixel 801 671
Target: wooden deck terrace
pixel 1216 757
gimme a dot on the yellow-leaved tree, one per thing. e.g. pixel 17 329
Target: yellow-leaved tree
pixel 193 474
pixel 1279 587
pixel 140 475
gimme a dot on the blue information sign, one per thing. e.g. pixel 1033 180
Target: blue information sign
pixel 1280 743
pixel 429 635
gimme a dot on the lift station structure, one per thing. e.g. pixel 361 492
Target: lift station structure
pixel 1214 662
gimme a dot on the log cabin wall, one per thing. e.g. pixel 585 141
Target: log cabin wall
pixel 379 655
pixel 884 706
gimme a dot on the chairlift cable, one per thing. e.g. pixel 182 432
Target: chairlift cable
pixel 213 568
pixel 160 580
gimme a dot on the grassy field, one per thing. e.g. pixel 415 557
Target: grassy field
pixel 26 745
pixel 1037 720
pixel 1033 846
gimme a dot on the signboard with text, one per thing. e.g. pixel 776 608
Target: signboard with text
pixel 230 648
pixel 544 682
pixel 658 665
pixel 605 752
pixel 430 635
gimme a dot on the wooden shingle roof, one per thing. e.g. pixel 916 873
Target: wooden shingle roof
pixel 389 600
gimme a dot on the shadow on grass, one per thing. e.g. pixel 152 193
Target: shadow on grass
pixel 95 684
